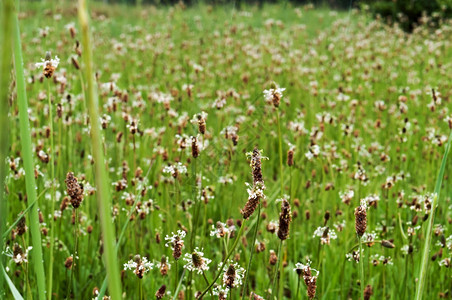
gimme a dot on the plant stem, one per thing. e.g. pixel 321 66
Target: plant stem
pixel 52 193
pixel 251 252
pixel 280 154
pixel 361 268
pixel 178 286
pixel 277 267
pixel 102 179
pixel 30 183
pixel 225 259
pixel 281 274
pixel 431 217
pixel 6 35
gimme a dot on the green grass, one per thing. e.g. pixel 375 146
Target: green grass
pixel 318 56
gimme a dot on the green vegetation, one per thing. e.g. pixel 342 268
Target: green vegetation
pixel 164 114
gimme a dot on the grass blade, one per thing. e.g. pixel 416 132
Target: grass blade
pixel 430 222
pixel 12 287
pixel 30 183
pixel 102 179
pixel 5 71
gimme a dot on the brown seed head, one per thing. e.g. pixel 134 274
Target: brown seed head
pixel 368 292
pixel 161 292
pixel 360 220
pixel 74 190
pixel 285 218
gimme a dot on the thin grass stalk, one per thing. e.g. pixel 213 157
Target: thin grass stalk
pixel 179 285
pixel 361 267
pixel 280 154
pixel 275 276
pixel 5 71
pixel 52 175
pixel 281 275
pixel 102 179
pixel 251 252
pixel 30 183
pixel 220 270
pixel 431 218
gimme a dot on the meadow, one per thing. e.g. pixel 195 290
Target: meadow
pixel 274 152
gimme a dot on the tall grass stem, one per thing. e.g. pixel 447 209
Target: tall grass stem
pixel 101 175
pixel 30 183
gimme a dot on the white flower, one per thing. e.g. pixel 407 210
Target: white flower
pixel 222 230
pixel 196 261
pixel 175 170
pixel 325 234
pixel 139 265
pixel 270 94
pixel 237 275
pixel 179 236
pixel 44 62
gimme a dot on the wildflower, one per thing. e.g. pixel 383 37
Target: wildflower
pixel 284 220
pixel 233 276
pixel 175 170
pixel 48 64
pixel 347 196
pixel 221 292
pixel 18 255
pixel 139 265
pixel 368 292
pixel 194 147
pixel 290 154
pixel 274 94
pixel 222 230
pixel 21 226
pixel 325 234
pixel 445 263
pixel 200 120
pixel 196 261
pixel 160 292
pixel 74 190
pixel 309 279
pixel 355 255
pixel 255 194
pixel 177 242
pixel 360 220
pixel 163 266
pixel 257 191
pixel 68 263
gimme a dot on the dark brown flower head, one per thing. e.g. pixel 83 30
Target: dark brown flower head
pixel 163 266
pixel 360 220
pixel 387 244
pixel 194 147
pixel 311 287
pixel 368 292
pixel 74 190
pixel 161 292
pixel 285 218
pixel 21 226
pixel 251 205
pixel 197 260
pixel 229 276
pixel 177 247
pixel 256 165
pixel 68 262
pixel 310 281
pixel 290 157
pixel 256 192
pixel 273 258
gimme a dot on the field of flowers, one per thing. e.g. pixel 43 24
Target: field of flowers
pixel 208 152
